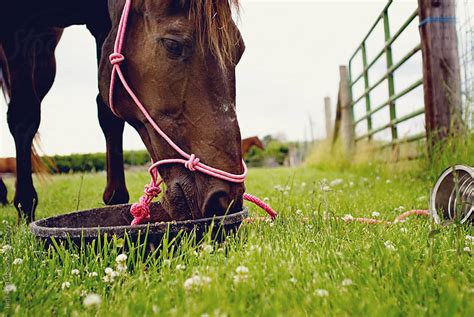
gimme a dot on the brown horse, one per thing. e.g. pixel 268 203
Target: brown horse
pixel 180 61
pixel 248 143
pixel 181 58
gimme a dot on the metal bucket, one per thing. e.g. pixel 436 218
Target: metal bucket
pixel 452 197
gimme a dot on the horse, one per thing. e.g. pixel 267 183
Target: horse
pixel 248 143
pixel 181 59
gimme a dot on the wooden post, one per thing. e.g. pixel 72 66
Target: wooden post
pixel 347 120
pixel 327 110
pixel 441 72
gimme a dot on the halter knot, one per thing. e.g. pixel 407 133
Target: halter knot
pixel 151 190
pixel 140 212
pixel 116 58
pixel 192 163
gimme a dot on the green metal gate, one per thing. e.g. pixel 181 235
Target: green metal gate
pixel 394 95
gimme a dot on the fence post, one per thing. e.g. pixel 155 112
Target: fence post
pixel 347 121
pixel 327 110
pixel 441 72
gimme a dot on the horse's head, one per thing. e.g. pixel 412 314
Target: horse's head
pixel 180 58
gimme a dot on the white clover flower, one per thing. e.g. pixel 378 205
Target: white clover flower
pixel 470 239
pixel 239 278
pixel 303 184
pixel 92 300
pixel 325 188
pixel 196 282
pixel 108 279
pixel 9 288
pixel 242 270
pixel 75 272
pixel 322 292
pixel 293 280
pixel 348 217
pixel 109 271
pixel 347 282
pixel 5 222
pixel 375 214
pixel 388 181
pixel 351 184
pixel 403 230
pixel 121 258
pixel 389 246
pixel 207 248
pixel 400 209
pixel 110 275
pixel 65 285
pixel 266 200
pixel 166 262
pixel 467 249
pixel 121 268
pixel 6 248
pixel 299 212
pixel 242 274
pixel 255 248
pixel 182 267
pixel 279 188
pixel 93 274
pixel 17 261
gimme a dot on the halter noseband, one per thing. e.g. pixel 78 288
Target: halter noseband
pixel 141 211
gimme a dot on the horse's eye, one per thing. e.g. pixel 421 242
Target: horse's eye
pixel 175 48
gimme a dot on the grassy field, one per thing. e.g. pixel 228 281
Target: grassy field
pixel 303 264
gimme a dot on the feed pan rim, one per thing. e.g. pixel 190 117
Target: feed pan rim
pixel 39 230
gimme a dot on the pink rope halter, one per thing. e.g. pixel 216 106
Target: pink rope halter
pixel 141 211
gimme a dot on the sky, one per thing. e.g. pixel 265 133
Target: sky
pixel 293 52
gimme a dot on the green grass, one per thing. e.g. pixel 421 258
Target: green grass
pixel 291 263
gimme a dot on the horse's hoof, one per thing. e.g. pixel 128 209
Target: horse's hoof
pixel 115 196
pixel 25 203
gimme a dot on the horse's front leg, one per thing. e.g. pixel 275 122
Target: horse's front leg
pixel 116 190
pixel 32 70
pixel 23 120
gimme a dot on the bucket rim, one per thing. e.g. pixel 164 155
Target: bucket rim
pixel 40 230
pixel 435 189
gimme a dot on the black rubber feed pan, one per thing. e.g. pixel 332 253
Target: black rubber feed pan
pixel 86 226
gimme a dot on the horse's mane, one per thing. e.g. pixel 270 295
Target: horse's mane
pixel 214 25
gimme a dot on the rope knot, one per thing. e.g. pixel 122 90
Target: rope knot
pixel 140 211
pixel 116 58
pixel 152 190
pixel 192 163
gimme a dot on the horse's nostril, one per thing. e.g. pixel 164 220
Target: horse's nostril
pixel 217 203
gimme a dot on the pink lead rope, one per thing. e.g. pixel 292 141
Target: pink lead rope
pixel 141 211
